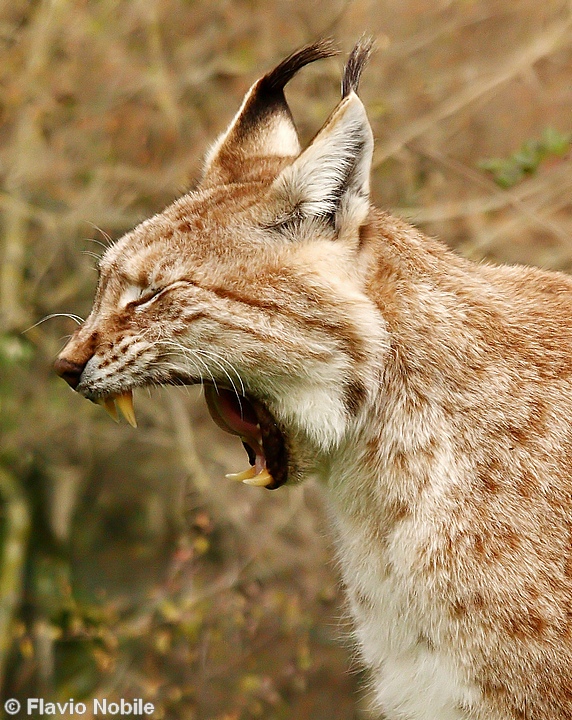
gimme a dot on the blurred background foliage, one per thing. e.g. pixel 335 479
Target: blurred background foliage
pixel 129 567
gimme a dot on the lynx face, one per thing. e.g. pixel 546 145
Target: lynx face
pixel 253 284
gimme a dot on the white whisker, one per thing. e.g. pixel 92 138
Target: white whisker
pixel 98 242
pixel 217 359
pixel 105 235
pixel 220 359
pixel 76 318
pixel 189 357
pixel 91 254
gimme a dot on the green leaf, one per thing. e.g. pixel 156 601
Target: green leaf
pixel 507 172
pixel 556 143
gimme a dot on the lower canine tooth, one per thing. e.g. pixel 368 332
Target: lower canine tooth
pixel 242 476
pixel 109 406
pixel 125 405
pixel 263 479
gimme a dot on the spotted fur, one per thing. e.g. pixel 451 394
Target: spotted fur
pixel 430 395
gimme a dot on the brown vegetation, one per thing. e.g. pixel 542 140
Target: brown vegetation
pixel 129 566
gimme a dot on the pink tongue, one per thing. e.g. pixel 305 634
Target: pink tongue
pixel 235 415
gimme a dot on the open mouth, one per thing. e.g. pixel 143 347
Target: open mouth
pixel 259 432
pixel 238 415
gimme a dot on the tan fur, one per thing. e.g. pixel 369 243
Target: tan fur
pixel 432 396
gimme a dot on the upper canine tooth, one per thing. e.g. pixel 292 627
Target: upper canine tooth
pixel 263 479
pixel 109 406
pixel 125 405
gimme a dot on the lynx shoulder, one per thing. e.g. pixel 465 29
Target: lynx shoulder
pixel 430 395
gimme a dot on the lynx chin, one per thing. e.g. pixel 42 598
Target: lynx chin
pixel 431 396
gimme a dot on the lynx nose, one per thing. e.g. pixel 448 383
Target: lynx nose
pixel 70 371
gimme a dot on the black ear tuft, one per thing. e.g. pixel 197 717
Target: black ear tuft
pixel 263 127
pixel 268 96
pixel 276 79
pixel 354 67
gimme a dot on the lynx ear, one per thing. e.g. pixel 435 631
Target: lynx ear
pixel 330 179
pixel 263 126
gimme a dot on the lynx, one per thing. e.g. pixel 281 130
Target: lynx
pixel 431 396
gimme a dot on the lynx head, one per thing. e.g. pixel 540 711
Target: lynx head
pixel 252 284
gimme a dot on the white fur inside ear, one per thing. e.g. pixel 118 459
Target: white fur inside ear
pixel 279 137
pixel 333 172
